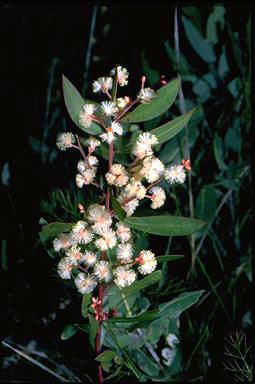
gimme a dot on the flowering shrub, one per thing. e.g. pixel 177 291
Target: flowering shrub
pixel 98 251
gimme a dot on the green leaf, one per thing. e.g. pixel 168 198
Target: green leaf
pixel 184 66
pixel 121 214
pixel 146 363
pixel 83 327
pixel 153 278
pixel 217 16
pixel 206 203
pixel 106 366
pixel 155 329
pixel 161 259
pixel 175 307
pixel 235 87
pixel 165 225
pixel 172 149
pixel 218 152
pixel 74 104
pixel 128 361
pixel 93 327
pixel 223 63
pixel 124 293
pixel 146 316
pixel 86 300
pixel 166 96
pixel 53 229
pixel 68 331
pixel 115 84
pixel 167 131
pixel 233 137
pixel 202 90
pixel 210 79
pixel 194 14
pixel 199 44
pixel 106 356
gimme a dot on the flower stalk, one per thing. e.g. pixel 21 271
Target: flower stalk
pixel 87 249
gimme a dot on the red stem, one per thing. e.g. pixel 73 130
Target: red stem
pixel 127 109
pixel 98 336
pixel 100 286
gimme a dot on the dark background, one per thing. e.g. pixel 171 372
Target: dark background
pixel 35 33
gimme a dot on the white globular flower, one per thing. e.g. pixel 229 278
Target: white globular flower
pixel 117 128
pixel 175 174
pixel 172 339
pixel 168 355
pixel 109 108
pixel 90 258
pixel 85 283
pixel 107 136
pixel 94 211
pixel 146 95
pixel 147 138
pixel 65 140
pixel 122 75
pixel 122 102
pixel 100 217
pixel 158 197
pixel 152 169
pixel 93 142
pixel 147 262
pixel 102 271
pixel 130 205
pixel 107 241
pixel 135 189
pixel 74 254
pixel 62 242
pixel 93 161
pixel 123 232
pixel 86 177
pixel 81 233
pixel 143 145
pixel 86 116
pixel 117 175
pixel 65 267
pixel 103 84
pixel 124 276
pixel 125 252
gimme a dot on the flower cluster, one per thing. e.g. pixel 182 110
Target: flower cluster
pixel 86 248
pixel 99 232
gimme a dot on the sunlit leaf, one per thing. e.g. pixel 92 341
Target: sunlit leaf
pixel 165 225
pixel 153 278
pixel 86 301
pixel 106 356
pixel 93 328
pixel 176 306
pixel 53 229
pixel 167 131
pixel 166 96
pixel 161 259
pixel 74 103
